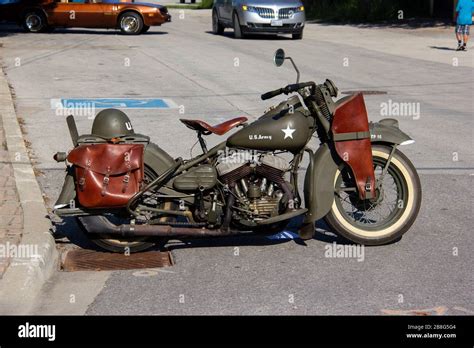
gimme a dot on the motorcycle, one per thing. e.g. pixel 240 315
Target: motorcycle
pixel 129 194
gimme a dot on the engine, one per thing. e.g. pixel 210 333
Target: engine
pixel 257 182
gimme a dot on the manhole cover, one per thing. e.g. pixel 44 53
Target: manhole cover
pixel 366 92
pixel 90 260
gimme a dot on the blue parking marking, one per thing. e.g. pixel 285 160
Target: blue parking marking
pixel 284 235
pixel 119 103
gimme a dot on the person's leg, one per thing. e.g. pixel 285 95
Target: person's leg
pixel 458 36
pixel 466 36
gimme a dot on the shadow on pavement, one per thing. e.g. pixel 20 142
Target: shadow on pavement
pixel 410 23
pixel 101 32
pixel 442 48
pixel 7 29
pixel 270 36
pixel 290 234
pixel 69 229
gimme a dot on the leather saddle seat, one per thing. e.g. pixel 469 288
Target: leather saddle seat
pixel 219 129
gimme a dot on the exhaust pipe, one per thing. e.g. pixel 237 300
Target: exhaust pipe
pixel 101 225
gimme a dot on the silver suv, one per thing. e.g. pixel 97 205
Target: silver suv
pixel 257 16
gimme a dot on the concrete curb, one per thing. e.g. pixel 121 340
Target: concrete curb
pixel 24 278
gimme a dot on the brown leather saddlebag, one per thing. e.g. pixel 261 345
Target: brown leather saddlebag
pixel 350 129
pixel 107 175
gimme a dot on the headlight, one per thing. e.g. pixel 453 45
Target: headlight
pixel 249 8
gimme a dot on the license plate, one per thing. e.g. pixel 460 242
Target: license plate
pixel 277 23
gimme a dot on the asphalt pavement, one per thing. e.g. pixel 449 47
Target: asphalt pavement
pixel 215 78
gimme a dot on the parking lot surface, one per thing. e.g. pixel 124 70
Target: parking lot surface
pixel 217 77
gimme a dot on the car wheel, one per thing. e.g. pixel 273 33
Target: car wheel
pixel 217 27
pixel 238 34
pixel 131 23
pixel 145 28
pixel 298 36
pixel 35 22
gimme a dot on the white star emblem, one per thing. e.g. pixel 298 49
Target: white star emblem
pixel 288 132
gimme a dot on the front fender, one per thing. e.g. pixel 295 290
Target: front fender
pixel 387 131
pixel 319 183
pixel 322 168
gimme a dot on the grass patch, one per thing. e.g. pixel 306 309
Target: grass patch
pixel 206 4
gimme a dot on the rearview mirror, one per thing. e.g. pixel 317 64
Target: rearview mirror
pixel 279 57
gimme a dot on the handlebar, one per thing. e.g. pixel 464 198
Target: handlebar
pixel 287 90
pixel 272 94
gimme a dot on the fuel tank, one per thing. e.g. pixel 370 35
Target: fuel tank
pixel 281 128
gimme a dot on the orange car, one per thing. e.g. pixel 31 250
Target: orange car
pixel 132 18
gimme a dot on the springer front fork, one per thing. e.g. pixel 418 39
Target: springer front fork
pixel 294 177
pixel 385 169
pixel 378 183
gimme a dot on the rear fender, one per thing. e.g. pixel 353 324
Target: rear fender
pixel 68 192
pixel 157 159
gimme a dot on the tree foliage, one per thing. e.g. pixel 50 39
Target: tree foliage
pixel 366 10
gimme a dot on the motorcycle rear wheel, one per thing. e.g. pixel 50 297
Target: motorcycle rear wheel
pixel 363 221
pixel 130 244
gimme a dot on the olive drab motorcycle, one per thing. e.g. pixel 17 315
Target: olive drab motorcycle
pixel 126 192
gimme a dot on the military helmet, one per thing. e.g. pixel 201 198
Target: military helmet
pixel 111 123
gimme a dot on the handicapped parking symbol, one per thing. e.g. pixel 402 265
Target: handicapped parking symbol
pixel 119 103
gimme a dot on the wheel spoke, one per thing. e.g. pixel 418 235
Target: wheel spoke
pixel 371 213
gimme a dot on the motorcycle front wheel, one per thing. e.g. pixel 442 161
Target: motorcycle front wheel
pixel 386 218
